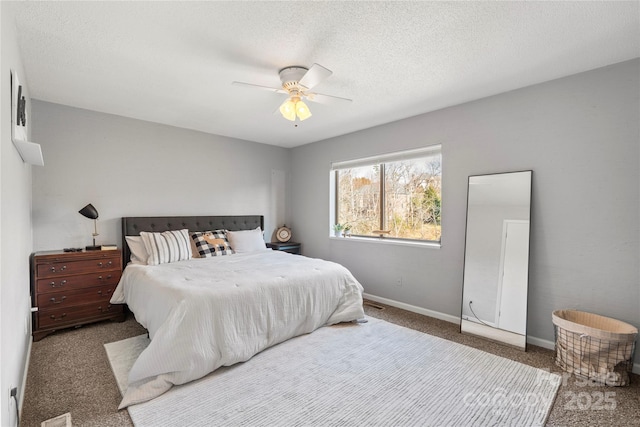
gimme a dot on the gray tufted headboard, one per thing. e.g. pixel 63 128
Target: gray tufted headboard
pixel 133 225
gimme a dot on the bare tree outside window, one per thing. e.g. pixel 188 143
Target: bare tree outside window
pixel 359 199
pixel 411 204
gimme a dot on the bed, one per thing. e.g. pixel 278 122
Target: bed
pixel 204 313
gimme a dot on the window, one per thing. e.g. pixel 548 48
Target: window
pixel 394 196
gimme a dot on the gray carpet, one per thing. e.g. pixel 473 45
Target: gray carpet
pixel 373 374
pixel 69 372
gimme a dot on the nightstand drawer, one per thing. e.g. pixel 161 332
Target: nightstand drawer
pixel 57 284
pixel 65 299
pixel 73 315
pixel 54 269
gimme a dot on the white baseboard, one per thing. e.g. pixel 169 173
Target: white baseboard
pixel 494 334
pixel 541 343
pixel 413 308
pixel 454 319
pixel 24 376
pixel 471 319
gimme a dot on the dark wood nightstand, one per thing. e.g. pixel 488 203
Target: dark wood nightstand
pixel 73 288
pixel 291 247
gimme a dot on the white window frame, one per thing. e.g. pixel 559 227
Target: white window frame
pixel 380 160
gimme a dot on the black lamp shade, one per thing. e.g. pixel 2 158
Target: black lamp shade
pixel 89 212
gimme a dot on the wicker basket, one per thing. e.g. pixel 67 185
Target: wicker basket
pixel 595 347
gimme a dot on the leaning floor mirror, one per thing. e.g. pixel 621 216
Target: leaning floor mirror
pixel 496 258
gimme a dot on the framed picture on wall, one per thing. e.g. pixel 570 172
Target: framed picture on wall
pixel 18 109
pixel 29 151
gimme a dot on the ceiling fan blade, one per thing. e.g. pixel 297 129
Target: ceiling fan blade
pixel 325 99
pixel 314 75
pixel 249 85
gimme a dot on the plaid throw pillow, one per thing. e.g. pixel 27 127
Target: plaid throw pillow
pixel 211 243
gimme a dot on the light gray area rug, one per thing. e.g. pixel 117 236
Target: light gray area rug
pixel 373 374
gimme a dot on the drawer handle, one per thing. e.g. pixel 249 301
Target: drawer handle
pixel 106 309
pixel 62 283
pixel 53 300
pixel 102 278
pixel 58 318
pixel 108 292
pixel 63 268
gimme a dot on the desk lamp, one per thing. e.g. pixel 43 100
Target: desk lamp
pixel 90 212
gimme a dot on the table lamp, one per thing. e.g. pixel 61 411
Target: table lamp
pixel 90 212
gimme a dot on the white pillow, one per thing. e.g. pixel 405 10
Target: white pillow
pixel 168 246
pixel 246 241
pixel 139 254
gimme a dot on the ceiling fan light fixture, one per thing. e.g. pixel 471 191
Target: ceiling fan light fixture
pixel 302 111
pixel 288 110
pixel 293 107
pixel 297 83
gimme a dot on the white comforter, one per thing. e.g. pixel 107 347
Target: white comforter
pixel 205 313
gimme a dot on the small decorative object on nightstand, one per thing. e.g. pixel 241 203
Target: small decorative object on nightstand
pixel 73 288
pixel 291 247
pixel 283 234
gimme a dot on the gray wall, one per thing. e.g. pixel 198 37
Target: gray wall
pixel 15 232
pixel 127 167
pixel 578 134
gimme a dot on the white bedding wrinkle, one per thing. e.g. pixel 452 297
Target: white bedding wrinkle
pixel 210 312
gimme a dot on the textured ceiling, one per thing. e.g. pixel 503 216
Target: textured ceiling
pixel 173 62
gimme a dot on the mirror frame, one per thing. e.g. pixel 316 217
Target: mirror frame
pixel 496 334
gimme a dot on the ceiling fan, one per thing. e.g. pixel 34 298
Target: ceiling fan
pixel 297 83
